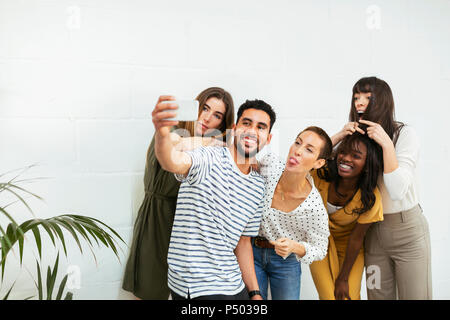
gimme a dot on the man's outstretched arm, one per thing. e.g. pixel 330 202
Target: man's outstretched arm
pixel 170 159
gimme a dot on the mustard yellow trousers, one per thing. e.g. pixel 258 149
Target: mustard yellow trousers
pixel 326 271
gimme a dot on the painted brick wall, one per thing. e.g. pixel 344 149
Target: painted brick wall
pixel 78 81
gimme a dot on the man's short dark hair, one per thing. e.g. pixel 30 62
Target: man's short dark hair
pixel 258 105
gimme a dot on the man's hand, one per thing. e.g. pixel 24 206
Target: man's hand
pixel 161 113
pixel 168 157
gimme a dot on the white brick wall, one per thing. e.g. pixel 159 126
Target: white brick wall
pixel 79 78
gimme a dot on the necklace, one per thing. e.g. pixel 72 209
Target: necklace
pixel 280 189
pixel 282 194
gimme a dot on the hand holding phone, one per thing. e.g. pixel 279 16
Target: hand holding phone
pixel 164 106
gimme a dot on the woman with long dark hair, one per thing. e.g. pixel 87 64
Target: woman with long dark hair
pixel 146 269
pixel 398 253
pixel 348 186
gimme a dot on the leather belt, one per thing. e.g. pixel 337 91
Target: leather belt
pixel 261 242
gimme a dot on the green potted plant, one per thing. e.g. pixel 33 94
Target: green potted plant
pixel 82 229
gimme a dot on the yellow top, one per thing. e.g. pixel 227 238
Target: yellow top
pixel 343 221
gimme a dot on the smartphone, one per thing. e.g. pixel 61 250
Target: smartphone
pixel 187 110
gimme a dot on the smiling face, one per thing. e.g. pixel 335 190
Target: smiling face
pixel 251 133
pixel 211 117
pixel 350 163
pixel 361 101
pixel 304 153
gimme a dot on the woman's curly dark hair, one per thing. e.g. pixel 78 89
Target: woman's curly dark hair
pixel 368 179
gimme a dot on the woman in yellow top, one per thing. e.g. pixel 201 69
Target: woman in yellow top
pixel 348 186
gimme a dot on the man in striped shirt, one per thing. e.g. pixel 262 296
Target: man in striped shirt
pixel 219 206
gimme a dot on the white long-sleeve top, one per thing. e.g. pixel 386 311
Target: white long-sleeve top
pixel 307 224
pixel 399 189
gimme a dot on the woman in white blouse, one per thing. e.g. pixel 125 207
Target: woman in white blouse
pixel 294 224
pixel 397 255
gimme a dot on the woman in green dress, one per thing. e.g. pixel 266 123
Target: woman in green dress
pixel 146 270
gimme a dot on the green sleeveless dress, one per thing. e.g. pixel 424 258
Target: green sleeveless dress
pixel 146 270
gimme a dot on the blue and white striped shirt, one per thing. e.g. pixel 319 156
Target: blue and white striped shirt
pixel 217 204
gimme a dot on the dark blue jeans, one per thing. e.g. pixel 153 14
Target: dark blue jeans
pixel 283 274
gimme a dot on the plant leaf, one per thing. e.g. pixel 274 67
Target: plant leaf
pixel 102 223
pixel 51 278
pixel 8 216
pixel 6 246
pixel 39 285
pixel 47 228
pixel 90 229
pixel 80 229
pixel 37 237
pixel 21 199
pixel 67 225
pixel 9 291
pixel 61 288
pixel 69 296
pixel 49 283
pixel 60 236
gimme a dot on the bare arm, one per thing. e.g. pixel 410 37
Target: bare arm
pixel 191 143
pixel 348 129
pixel 244 255
pixel 355 243
pixel 169 158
